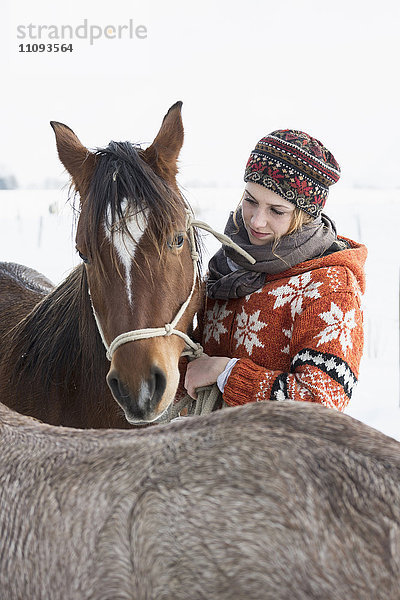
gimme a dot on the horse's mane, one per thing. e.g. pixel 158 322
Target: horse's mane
pixel 58 342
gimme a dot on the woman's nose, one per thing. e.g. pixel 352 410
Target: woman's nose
pixel 259 219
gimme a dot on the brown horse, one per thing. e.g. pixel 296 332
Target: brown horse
pixel 137 272
pixel 268 501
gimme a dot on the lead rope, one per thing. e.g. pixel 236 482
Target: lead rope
pixel 209 397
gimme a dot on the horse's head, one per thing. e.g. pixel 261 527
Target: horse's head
pixel 132 237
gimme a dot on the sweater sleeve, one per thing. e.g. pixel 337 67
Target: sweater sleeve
pixel 325 352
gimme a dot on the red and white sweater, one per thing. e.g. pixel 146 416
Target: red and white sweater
pixel 300 337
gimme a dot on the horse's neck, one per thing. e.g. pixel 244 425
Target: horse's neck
pixel 57 343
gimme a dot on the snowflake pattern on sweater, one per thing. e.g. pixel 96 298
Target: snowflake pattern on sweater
pixel 247 328
pixel 215 327
pixel 298 338
pixel 339 327
pixel 295 291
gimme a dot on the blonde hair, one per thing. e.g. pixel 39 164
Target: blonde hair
pixel 299 219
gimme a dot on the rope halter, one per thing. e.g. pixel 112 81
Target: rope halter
pixel 192 348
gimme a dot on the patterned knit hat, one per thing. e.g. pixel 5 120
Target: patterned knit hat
pixel 295 166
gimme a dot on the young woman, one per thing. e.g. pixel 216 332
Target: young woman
pixel 290 326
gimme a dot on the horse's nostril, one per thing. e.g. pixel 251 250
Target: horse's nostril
pixel 117 389
pixel 113 384
pixel 159 382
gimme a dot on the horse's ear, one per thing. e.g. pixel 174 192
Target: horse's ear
pixel 163 153
pixel 77 159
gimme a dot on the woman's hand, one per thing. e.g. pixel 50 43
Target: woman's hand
pixel 203 371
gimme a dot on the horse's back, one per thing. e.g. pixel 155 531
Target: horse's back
pixel 14 276
pixel 20 289
pixel 273 500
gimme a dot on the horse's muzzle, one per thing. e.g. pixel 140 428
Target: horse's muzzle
pixel 141 406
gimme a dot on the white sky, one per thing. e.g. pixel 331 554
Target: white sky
pixel 241 68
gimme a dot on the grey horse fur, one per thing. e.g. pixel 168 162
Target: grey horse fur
pixel 266 501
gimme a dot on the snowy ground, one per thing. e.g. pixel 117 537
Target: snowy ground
pixel 37 230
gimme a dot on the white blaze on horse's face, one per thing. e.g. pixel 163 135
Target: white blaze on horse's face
pixel 125 244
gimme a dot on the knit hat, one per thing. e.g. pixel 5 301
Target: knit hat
pixel 296 166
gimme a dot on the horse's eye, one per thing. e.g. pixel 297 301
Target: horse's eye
pixel 84 258
pixel 177 241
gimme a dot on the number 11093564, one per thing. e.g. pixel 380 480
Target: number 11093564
pixel 45 48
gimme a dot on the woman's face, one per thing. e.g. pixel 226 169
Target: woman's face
pixel 266 215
